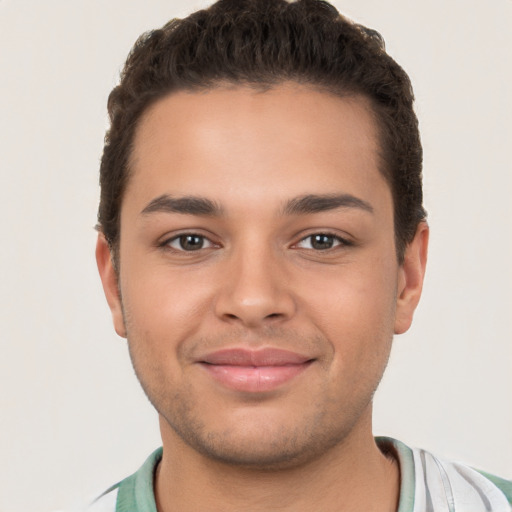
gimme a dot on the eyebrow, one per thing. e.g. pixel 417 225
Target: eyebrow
pixel 302 205
pixel 187 205
pixel 314 203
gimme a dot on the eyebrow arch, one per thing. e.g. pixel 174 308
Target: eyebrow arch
pixel 313 203
pixel 188 205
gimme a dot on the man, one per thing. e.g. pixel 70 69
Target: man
pixel 261 240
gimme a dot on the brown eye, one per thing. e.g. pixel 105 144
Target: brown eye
pixel 321 242
pixel 189 242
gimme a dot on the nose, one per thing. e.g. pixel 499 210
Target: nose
pixel 255 289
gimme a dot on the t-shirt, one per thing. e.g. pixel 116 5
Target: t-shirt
pixel 428 484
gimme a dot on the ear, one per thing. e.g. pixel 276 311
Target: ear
pixel 410 280
pixel 110 283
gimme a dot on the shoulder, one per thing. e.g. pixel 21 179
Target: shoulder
pixel 432 483
pixel 461 484
pixel 504 485
pixel 133 493
pixel 106 502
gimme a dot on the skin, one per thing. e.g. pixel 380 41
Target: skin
pixel 259 281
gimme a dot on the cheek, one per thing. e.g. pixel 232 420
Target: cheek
pixel 355 309
pixel 163 307
pixel 350 293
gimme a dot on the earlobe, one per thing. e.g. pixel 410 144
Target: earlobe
pixel 109 280
pixel 410 282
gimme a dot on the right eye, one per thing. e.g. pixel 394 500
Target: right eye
pixel 189 242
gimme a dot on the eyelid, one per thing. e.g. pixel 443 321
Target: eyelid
pixel 165 243
pixel 341 240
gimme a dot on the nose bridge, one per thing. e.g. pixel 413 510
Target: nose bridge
pixel 254 288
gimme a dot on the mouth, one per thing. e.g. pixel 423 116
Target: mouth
pixel 254 371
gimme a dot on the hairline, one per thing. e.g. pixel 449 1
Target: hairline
pixel 262 86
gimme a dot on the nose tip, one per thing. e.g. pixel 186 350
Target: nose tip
pixel 255 295
pixel 253 312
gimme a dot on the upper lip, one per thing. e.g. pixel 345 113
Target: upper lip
pixel 260 357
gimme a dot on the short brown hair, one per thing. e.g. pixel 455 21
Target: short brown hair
pixel 267 42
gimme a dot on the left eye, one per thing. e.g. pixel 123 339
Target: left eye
pixel 320 242
pixel 189 242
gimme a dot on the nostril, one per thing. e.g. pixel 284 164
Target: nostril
pixel 253 306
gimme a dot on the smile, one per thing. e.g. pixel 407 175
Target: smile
pixel 254 371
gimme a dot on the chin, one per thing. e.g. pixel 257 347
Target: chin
pixel 264 445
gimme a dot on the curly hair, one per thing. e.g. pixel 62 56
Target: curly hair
pixel 265 43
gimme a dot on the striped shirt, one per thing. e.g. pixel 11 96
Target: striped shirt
pixel 428 484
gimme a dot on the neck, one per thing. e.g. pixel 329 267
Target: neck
pixel 354 475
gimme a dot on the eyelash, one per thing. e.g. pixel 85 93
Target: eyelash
pixel 336 240
pixel 182 237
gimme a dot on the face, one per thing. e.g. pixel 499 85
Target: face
pixel 259 284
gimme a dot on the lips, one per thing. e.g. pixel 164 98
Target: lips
pixel 254 370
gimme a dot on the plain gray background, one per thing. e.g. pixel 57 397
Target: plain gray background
pixel 73 419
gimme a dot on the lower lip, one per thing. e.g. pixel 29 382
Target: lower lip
pixel 254 379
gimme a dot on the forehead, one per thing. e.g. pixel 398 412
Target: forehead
pixel 285 141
